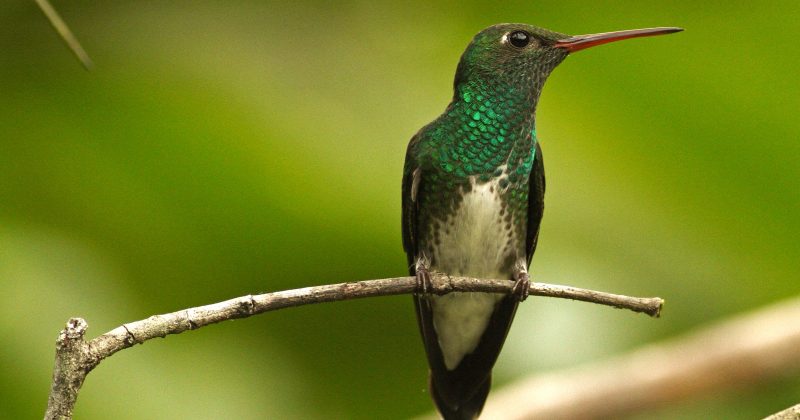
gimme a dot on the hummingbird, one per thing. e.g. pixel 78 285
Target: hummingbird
pixel 473 199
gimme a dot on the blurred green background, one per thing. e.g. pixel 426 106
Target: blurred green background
pixel 225 148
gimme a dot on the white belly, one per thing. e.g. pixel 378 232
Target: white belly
pixel 475 244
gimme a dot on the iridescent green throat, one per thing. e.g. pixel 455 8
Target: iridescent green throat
pixel 487 130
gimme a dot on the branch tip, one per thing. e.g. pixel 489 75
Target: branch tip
pixel 75 329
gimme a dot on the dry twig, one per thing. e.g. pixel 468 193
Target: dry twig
pixel 75 358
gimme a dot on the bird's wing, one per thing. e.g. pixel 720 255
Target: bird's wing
pixel 535 202
pixel 412 179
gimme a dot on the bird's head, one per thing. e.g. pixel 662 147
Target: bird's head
pixel 523 55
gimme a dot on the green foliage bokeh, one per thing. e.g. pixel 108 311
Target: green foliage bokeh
pixel 226 148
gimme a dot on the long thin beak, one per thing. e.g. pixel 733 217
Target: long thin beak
pixel 580 42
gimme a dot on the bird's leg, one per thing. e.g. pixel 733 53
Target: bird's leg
pixel 424 284
pixel 522 282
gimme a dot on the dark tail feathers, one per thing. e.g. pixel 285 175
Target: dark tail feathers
pixel 466 409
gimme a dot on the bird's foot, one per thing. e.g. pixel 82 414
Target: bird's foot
pixel 522 284
pixel 424 284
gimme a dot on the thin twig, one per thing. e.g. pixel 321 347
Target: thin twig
pixel 63 30
pixel 75 358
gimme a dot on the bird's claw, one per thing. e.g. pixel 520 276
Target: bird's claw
pixel 522 284
pixel 424 283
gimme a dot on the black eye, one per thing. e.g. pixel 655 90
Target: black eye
pixel 519 39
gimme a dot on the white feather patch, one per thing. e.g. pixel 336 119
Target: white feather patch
pixel 474 244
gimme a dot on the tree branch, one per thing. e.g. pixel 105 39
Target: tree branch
pixel 735 353
pixel 791 413
pixel 75 358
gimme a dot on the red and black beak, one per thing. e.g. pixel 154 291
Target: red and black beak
pixel 580 42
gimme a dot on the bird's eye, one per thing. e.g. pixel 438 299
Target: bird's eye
pixel 519 39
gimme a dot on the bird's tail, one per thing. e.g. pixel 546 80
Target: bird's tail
pixel 468 408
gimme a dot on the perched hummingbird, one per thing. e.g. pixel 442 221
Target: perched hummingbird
pixel 473 197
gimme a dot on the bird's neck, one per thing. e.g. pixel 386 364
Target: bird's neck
pixel 494 126
pixel 519 93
